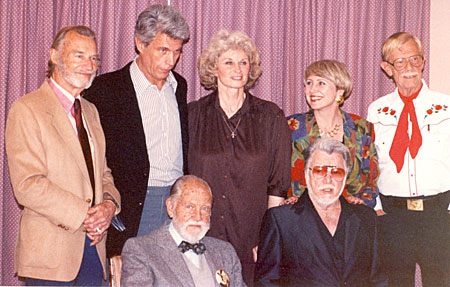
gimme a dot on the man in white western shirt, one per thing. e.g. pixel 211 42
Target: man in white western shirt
pixel 412 127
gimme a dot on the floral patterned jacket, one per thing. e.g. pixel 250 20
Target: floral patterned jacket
pixel 359 137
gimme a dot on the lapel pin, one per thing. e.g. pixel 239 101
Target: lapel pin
pixel 222 278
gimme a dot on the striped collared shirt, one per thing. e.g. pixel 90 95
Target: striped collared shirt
pixel 161 121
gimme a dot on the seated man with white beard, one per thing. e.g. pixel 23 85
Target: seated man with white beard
pixel 321 240
pixel 178 253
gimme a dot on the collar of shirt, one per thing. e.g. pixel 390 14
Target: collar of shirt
pixel 64 96
pixel 141 83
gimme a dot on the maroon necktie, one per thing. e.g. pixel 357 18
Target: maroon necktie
pixel 401 139
pixel 84 141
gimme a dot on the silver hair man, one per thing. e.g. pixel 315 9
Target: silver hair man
pixel 160 18
pixel 330 146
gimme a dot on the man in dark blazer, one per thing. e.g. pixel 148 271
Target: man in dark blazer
pixel 163 258
pixel 322 240
pixel 143 111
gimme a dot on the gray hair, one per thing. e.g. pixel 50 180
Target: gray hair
pixel 177 187
pixel 161 18
pixel 329 146
pixel 58 42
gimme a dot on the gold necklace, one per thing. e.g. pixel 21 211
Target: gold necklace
pixel 331 133
pixel 233 132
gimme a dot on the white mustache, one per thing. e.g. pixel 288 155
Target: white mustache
pixel 84 71
pixel 326 186
pixel 411 74
pixel 194 222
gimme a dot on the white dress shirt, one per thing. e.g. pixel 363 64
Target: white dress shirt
pixel 162 128
pixel 427 174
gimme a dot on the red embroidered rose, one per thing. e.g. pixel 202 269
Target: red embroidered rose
pixel 430 111
pixel 392 112
pixel 438 107
pixel 385 109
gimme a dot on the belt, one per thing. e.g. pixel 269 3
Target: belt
pixel 421 203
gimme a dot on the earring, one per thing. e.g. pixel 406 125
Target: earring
pixel 339 99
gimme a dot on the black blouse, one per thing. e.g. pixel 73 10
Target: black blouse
pixel 242 171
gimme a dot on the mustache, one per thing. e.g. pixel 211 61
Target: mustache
pixel 194 222
pixel 410 74
pixel 83 71
pixel 326 186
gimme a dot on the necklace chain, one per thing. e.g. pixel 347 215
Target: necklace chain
pixel 233 132
pixel 331 133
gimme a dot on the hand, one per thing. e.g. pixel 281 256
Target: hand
pixel 380 212
pixel 354 200
pixel 255 253
pixel 98 220
pixel 290 200
pixel 96 238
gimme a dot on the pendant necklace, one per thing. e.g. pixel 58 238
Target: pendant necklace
pixel 233 132
pixel 331 133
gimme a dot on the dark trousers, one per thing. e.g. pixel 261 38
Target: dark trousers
pixel 90 274
pixel 410 237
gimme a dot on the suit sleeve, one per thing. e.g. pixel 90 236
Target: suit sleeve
pixel 29 173
pixel 268 271
pixel 135 269
pixel 236 268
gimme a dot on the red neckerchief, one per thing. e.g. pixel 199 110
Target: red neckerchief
pixel 401 139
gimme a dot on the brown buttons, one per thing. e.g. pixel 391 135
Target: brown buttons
pixel 88 200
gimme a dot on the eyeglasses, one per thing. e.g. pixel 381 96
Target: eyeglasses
pixel 320 171
pixel 401 63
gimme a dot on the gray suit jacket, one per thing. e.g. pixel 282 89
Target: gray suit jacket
pixel 154 260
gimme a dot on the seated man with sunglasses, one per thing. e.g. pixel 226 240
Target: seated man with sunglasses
pixel 322 240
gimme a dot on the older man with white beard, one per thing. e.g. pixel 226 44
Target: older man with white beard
pixel 321 240
pixel 178 253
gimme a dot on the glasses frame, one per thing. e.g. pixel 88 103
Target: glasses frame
pixel 406 63
pixel 329 168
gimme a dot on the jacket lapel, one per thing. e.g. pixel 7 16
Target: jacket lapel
pixel 174 258
pixel 65 129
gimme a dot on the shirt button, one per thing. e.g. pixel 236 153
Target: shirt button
pixel 223 196
pixel 228 137
pixel 225 176
pixel 221 217
pixel 220 236
pixel 140 203
pixel 88 200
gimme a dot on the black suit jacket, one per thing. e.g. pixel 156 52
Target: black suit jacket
pixel 296 249
pixel 115 98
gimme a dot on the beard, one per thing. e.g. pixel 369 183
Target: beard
pixel 323 201
pixel 191 237
pixel 71 76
